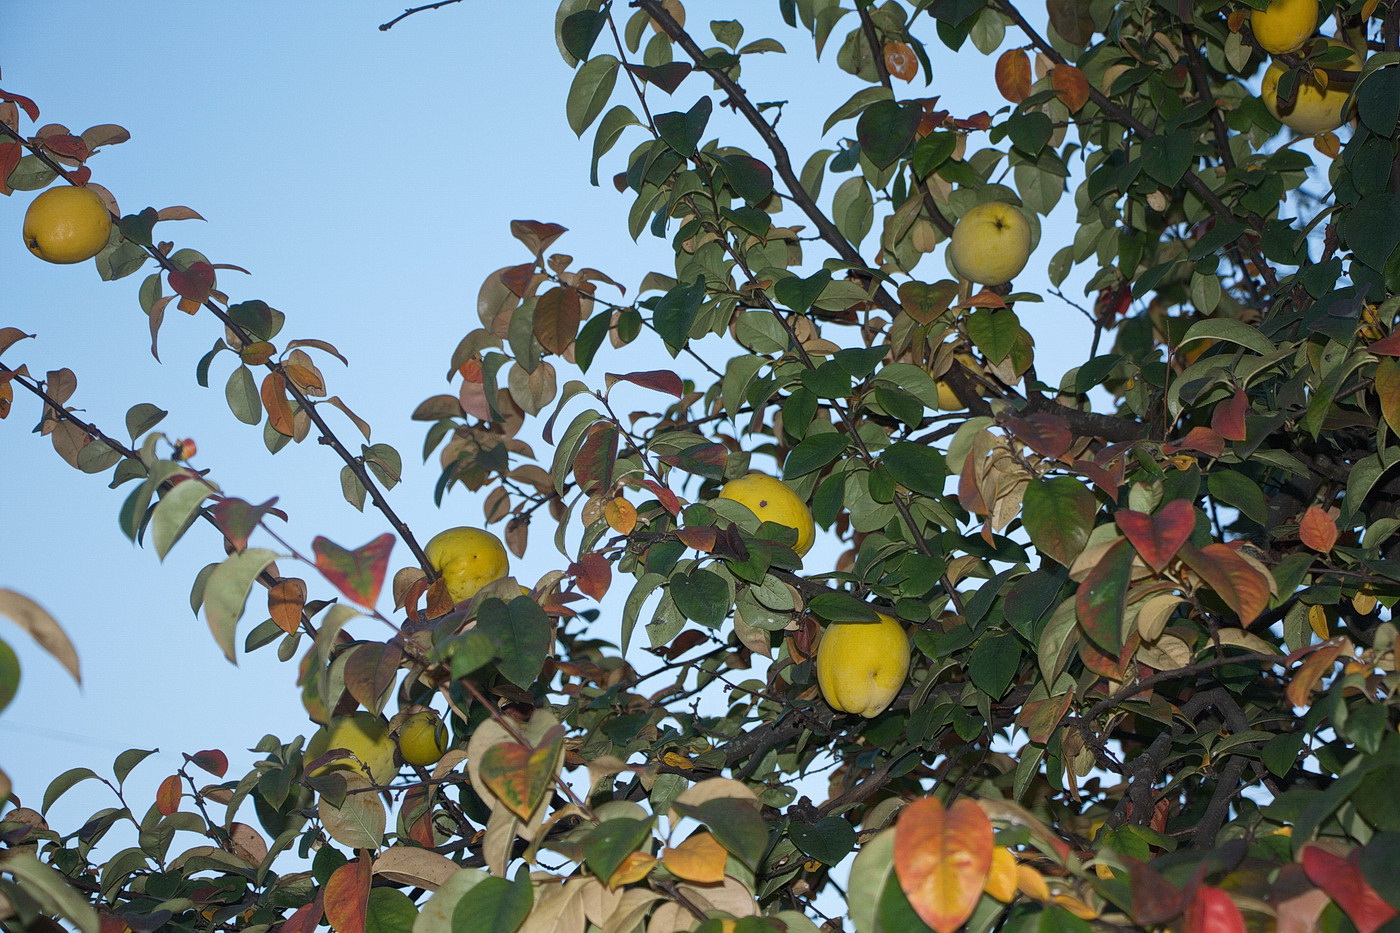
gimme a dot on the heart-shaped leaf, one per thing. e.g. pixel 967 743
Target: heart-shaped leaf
pixel 195 283
pixel 359 574
pixel 942 858
pixel 924 302
pixel 1158 537
pixel 519 775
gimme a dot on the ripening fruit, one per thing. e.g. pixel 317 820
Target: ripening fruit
pixel 948 399
pixel 862 665
pixel 1314 110
pixel 773 500
pixel 422 736
pixel 991 243
pixel 67 224
pixel 365 736
pixel 1285 25
pixel 468 559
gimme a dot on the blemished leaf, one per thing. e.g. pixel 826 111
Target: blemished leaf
pixel 226 593
pixel 1071 85
pixel 237 519
pixel 371 670
pixel 519 776
pixel 42 627
pixel 557 315
pixel 421 868
pixel 1059 514
pixel 1013 75
pixel 942 857
pixel 1101 598
pixel 358 574
pixel 735 822
pixel 1158 537
pixel 347 896
pixel 168 795
pixel 359 818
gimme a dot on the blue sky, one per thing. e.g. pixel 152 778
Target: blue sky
pixel 367 180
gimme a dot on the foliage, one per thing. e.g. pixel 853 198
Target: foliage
pixel 1154 668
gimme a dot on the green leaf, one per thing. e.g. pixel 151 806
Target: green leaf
pixel 580 30
pixel 141 418
pixel 993 664
pixel 175 512
pixel 813 453
pixel 683 131
pixel 675 313
pixel 241 392
pixel 830 840
pixel 612 841
pixel 52 890
pixel 702 595
pixel 128 760
pixel 609 131
pixel 736 824
pixel 993 331
pixel 1059 514
pixel 856 104
pixel 918 467
pixel 932 151
pixel 226 593
pixel 842 607
pixel 521 633
pixel 63 783
pixel 494 905
pixel 885 130
pixel 800 294
pixel 390 911
pixel 1102 596
pixel 1239 491
pixel 9 677
pixel 1230 331
pixel 589 92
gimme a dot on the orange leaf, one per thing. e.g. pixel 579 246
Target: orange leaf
pixel 519 776
pixel 1388 387
pixel 593 573
pixel 1233 578
pixel 274 399
pixel 1317 530
pixel 1069 82
pixel 700 859
pixel 168 795
pixel 1013 75
pixel 942 859
pixel 1227 418
pixel 1310 674
pixel 306 918
pixel 1199 438
pixel 621 515
pixel 347 896
pixel 285 601
pixel 900 61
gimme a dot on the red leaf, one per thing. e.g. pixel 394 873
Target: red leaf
pixel 1106 479
pixel 1107 665
pixel 1317 530
pixel 1227 419
pixel 347 896
pixel 660 380
pixel 1341 878
pixel 1047 434
pixel 195 283
pixel 597 455
pixel 535 235
pixel 1243 588
pixel 1212 911
pixel 969 493
pixel 666 497
pixel 237 518
pixel 80 175
pixel 67 145
pixel 593 573
pixel 1102 596
pixel 900 61
pixel 1158 537
pixel 518 278
pixel 211 760
pixel 285 602
pixel 1156 900
pixel 28 106
pixel 1386 346
pixel 359 574
pixel 1013 75
pixel 10 154
pixel 168 795
pixel 942 859
pixel 1204 440
pixel 306 918
pixel 701 538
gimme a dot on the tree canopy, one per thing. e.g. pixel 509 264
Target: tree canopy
pixel 1108 650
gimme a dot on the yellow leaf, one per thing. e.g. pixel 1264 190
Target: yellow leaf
pixel 1075 906
pixel 1001 880
pixel 700 859
pixel 635 867
pixel 1031 883
pixel 1317 618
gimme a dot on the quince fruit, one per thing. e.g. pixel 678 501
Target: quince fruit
pixel 862 665
pixel 422 736
pixel 365 737
pixel 1285 25
pixel 468 559
pixel 67 224
pixel 991 243
pixel 773 500
pixel 1316 109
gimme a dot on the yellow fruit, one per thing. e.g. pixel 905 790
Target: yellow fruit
pixel 1285 25
pixel 948 399
pixel 1315 110
pixel 862 665
pixel 773 500
pixel 422 737
pixel 365 737
pixel 468 559
pixel 991 243
pixel 67 224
